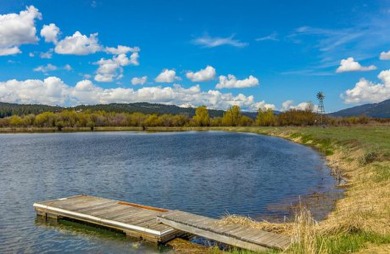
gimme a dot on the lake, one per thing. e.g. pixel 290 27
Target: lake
pixel 207 173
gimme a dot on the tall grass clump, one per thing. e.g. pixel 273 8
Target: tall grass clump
pixel 305 234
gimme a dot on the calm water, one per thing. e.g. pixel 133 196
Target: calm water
pixel 208 173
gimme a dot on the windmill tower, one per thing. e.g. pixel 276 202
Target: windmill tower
pixel 321 108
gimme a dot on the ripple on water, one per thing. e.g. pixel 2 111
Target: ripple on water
pixel 209 173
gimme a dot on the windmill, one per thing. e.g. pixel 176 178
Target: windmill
pixel 321 108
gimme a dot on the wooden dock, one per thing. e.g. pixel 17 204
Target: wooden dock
pixel 134 220
pixel 156 224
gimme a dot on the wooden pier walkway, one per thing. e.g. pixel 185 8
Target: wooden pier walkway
pixel 235 235
pixel 156 224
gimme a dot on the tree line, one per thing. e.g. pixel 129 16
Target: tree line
pixel 232 117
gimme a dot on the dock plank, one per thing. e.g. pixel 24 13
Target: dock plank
pixel 235 235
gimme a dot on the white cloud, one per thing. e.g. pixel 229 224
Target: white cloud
pixel 366 91
pixel 53 91
pixel 270 37
pixel 211 42
pixel 50 33
pixel 350 64
pixel 263 105
pixel 50 91
pixel 9 51
pixel 18 29
pixel 232 82
pixel 78 44
pixel 121 50
pixel 289 104
pixel 46 68
pixel 110 69
pixel 385 55
pixel 46 55
pixel 49 67
pixel 166 76
pixel 139 80
pixel 203 75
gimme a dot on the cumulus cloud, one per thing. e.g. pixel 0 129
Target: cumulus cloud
pixel 50 91
pixel 289 104
pixel 139 80
pixel 18 29
pixel 53 91
pixel 46 55
pixel 350 64
pixel 366 91
pixel 46 68
pixel 203 75
pixel 110 69
pixel 166 76
pixel 78 44
pixel 50 33
pixel 385 55
pixel 212 42
pixel 232 82
pixel 121 50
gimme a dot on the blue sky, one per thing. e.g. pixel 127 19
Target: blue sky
pixel 251 53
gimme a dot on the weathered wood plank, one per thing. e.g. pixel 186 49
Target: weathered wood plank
pixel 211 235
pixel 113 209
pixel 76 203
pixel 91 207
pixel 197 223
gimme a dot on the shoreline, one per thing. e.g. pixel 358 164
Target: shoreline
pixel 334 171
pixel 360 219
pixel 321 203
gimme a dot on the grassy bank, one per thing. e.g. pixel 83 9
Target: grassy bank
pixel 361 220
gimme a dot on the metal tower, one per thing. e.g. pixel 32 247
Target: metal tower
pixel 321 108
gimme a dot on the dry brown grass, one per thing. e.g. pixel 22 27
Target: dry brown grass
pixel 371 249
pixel 279 228
pixel 366 205
pixel 305 233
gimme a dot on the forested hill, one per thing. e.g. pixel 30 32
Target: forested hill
pixel 145 108
pixel 8 109
pixel 375 110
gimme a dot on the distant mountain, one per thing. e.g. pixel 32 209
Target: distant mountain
pixel 375 110
pixel 8 109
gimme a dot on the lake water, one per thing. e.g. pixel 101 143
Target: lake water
pixel 207 173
